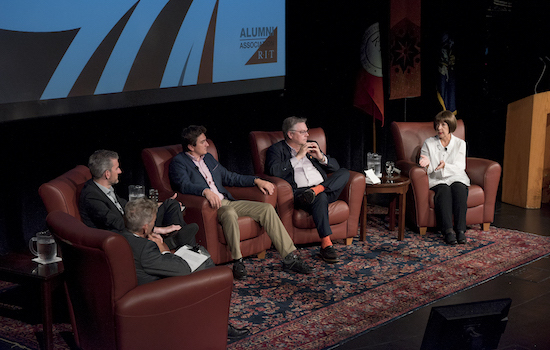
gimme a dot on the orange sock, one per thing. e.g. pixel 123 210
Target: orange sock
pixel 325 242
pixel 318 189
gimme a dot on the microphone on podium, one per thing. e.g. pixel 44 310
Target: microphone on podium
pixel 541 74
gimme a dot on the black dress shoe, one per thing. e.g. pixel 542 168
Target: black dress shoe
pixel 293 262
pixel 239 271
pixel 329 254
pixel 450 237
pixel 236 333
pixel 306 198
pixel 461 237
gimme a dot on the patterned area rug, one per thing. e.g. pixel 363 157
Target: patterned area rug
pixel 375 282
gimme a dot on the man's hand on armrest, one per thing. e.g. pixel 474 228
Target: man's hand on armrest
pixel 265 186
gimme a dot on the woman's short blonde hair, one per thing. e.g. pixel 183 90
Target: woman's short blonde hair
pixel 447 117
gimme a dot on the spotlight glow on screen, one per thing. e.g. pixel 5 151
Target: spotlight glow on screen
pixel 66 56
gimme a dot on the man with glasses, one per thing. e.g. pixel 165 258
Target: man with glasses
pixel 301 163
pixel 195 171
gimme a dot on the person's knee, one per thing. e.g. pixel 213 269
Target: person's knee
pixel 345 173
pixel 227 213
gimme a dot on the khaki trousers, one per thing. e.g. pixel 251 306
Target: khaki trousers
pixel 264 214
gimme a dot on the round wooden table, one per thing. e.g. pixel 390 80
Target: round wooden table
pixel 397 185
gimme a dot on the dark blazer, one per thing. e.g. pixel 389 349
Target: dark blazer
pixel 277 163
pixel 98 211
pixel 186 177
pixel 151 264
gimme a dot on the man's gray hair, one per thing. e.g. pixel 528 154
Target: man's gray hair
pixel 101 161
pixel 289 124
pixel 139 212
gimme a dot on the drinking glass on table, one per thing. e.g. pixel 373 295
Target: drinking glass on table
pixel 46 248
pixel 390 166
pixel 135 192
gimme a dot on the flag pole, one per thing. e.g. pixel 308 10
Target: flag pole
pixel 373 134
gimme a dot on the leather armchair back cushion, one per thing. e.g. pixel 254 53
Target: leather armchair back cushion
pixel 63 192
pixel 260 141
pixel 158 160
pixel 410 136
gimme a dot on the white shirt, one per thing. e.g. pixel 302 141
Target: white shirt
pixel 454 156
pixel 305 173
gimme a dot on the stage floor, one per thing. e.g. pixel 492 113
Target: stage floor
pixel 528 287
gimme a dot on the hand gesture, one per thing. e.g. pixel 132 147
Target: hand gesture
pixel 441 165
pixel 424 161
pixel 315 151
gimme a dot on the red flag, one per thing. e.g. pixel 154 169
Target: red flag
pixel 405 49
pixel 369 92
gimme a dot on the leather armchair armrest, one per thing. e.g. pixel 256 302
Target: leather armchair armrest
pixel 165 313
pixel 169 294
pixel 483 172
pixel 253 194
pixel 199 211
pixel 421 190
pixel 486 174
pixel 405 166
pixel 353 194
pixel 354 190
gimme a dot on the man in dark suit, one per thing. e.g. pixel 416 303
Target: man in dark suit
pixel 195 171
pixel 100 207
pixel 152 256
pixel 302 164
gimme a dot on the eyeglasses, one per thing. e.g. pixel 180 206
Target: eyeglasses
pixel 301 132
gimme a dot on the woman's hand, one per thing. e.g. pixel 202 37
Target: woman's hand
pixel 424 161
pixel 440 166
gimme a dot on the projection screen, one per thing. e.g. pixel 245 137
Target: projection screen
pixel 66 56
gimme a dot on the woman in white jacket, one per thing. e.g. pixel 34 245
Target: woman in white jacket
pixel 444 157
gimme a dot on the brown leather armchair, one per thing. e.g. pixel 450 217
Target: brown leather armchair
pixel 254 239
pixel 484 176
pixel 62 193
pixel 343 214
pixel 113 312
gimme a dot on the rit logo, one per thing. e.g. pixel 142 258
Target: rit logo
pixel 265 54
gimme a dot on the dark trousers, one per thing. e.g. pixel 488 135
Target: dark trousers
pixel 451 201
pixel 319 208
pixel 169 213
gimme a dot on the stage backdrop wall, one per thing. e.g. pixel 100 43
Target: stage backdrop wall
pixel 323 61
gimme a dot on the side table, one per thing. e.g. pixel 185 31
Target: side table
pixel 19 268
pixel 398 185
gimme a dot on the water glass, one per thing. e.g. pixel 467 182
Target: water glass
pixel 154 195
pixel 135 192
pixel 46 248
pixel 390 167
pixel 374 162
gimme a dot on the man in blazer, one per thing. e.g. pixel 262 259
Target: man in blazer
pixel 100 207
pixel 152 256
pixel 195 171
pixel 302 164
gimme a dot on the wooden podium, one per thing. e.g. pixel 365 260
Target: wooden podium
pixel 526 150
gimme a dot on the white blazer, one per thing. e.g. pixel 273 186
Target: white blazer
pixel 454 156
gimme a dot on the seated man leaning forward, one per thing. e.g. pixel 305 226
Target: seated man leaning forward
pixel 302 164
pixel 100 207
pixel 152 257
pixel 195 171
